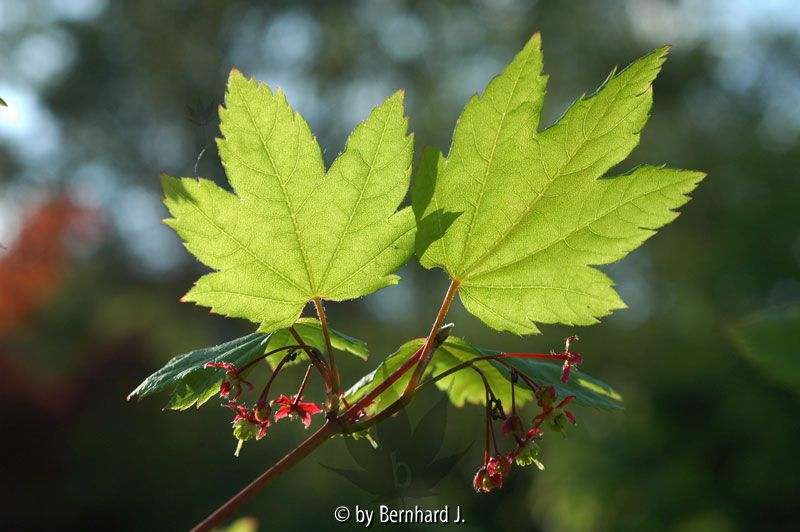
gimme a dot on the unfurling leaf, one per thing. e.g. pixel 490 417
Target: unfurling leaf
pixel 467 386
pixel 518 216
pixel 291 232
pixel 191 383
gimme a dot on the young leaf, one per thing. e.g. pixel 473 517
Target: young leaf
pixel 518 216
pixel 292 232
pixel 188 378
pixel 467 386
pixel 192 383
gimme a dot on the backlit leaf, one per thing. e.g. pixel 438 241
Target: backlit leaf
pixel 519 216
pixel 291 232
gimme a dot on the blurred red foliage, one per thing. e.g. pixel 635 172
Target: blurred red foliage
pixel 33 266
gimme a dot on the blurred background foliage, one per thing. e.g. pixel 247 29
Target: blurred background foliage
pixel 103 95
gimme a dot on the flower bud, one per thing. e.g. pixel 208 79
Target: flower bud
pixel 478 481
pixel 262 412
pixel 513 425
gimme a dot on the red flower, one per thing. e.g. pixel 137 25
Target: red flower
pixel 291 406
pixel 555 415
pixel 485 480
pixel 479 480
pixel 497 465
pixel 231 381
pixel 527 450
pixel 571 361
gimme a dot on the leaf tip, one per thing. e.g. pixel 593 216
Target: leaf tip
pixel 235 73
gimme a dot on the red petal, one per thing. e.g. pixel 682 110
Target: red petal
pixel 282 412
pixel 305 417
pixel 283 400
pixel 311 408
pixel 567 400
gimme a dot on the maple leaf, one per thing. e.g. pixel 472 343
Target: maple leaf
pixel 517 216
pixel 467 386
pixel 291 232
pixel 192 382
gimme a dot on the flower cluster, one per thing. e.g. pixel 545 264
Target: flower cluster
pixel 252 423
pixel 571 359
pixel 524 440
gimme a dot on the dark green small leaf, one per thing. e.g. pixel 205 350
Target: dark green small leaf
pixel 192 383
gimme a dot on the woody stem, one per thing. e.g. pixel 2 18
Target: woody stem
pixel 327 431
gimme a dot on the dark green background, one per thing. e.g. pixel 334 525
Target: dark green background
pixel 104 95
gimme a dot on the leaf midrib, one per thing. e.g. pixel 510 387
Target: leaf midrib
pixel 286 197
pixel 575 230
pixel 491 158
pixel 539 196
pixel 358 201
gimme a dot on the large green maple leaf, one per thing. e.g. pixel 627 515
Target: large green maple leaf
pixel 518 216
pixel 292 232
